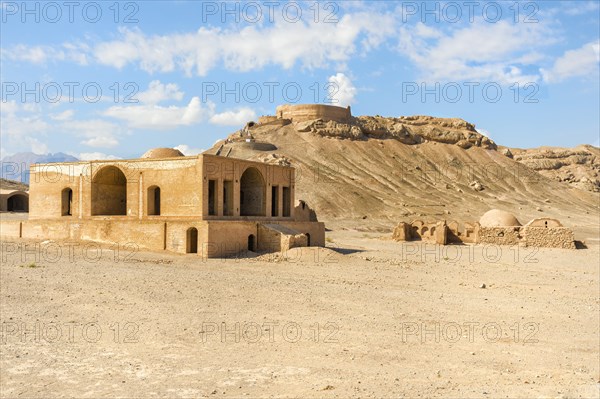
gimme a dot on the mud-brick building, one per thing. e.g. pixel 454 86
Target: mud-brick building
pixel 211 205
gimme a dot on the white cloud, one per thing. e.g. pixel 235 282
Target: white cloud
pixel 574 63
pixel 253 47
pixel 478 52
pixel 20 120
pixel 37 146
pixel 158 92
pixel 152 116
pixel 63 116
pixel 97 133
pixel 341 90
pixel 95 156
pixel 101 142
pixel 9 108
pixel 187 150
pixel 21 126
pixel 75 52
pixel 579 8
pixel 234 117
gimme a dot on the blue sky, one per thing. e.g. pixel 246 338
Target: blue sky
pixel 112 79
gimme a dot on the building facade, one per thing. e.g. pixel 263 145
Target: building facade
pixel 211 205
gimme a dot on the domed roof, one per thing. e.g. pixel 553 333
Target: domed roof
pixel 498 218
pixel 162 153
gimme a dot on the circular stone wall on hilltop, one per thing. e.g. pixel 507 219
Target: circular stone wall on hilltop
pixel 162 153
pixel 307 112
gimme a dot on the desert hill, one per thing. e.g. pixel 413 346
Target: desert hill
pixel 579 166
pixel 7 184
pixel 373 171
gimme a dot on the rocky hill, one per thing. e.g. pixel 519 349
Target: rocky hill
pixel 406 129
pixel 579 166
pixel 6 184
pixel 375 171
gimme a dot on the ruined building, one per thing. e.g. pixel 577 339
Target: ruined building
pixel 211 205
pixel 495 227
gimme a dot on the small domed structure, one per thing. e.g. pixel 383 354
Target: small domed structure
pixel 162 153
pixel 498 218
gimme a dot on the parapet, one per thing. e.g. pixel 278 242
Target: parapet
pixel 308 112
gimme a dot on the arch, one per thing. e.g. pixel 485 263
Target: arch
pixel 307 239
pixel 66 202
pixel 191 241
pixel 251 243
pixel 153 200
pixel 415 232
pixel 252 193
pixel 17 203
pixel 109 192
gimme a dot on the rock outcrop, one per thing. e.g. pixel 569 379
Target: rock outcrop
pixel 579 166
pixel 407 129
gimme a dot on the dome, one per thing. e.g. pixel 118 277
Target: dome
pixel 498 218
pixel 162 153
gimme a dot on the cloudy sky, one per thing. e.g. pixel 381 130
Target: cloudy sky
pixel 108 79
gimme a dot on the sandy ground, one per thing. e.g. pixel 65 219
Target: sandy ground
pixel 365 317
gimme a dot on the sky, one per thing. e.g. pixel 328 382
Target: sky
pixel 107 79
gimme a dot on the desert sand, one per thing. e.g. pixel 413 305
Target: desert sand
pixel 364 317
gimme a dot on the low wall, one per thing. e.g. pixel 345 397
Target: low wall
pixel 271 121
pixel 10 228
pixel 552 237
pixel 418 230
pixel 316 231
pixel 500 235
pixel 307 112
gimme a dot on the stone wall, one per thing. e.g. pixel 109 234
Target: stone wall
pixel 543 232
pixel 304 213
pixel 500 235
pixel 215 238
pixel 465 232
pixel 552 237
pixel 418 230
pixel 306 112
pixel 265 119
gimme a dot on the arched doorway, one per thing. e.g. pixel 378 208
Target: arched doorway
pixel 252 193
pixel 307 239
pixel 191 241
pixel 109 192
pixel 153 200
pixel 66 202
pixel 251 243
pixel 17 203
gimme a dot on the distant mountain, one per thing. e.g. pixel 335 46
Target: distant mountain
pixel 16 167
